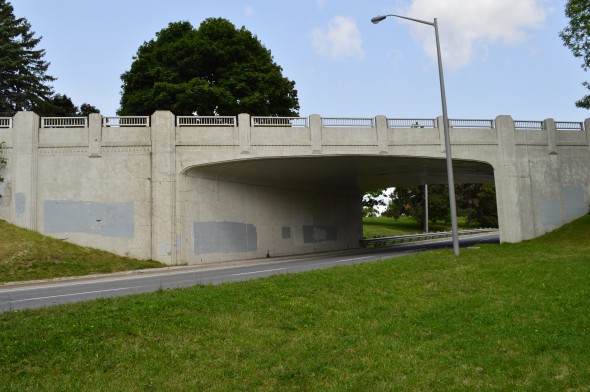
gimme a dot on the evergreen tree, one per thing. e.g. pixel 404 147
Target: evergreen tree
pixel 23 78
pixel 215 69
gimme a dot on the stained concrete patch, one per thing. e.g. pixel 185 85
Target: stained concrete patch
pixel 224 237
pixel 313 234
pixel 572 201
pixel 20 205
pixel 105 219
pixel 551 212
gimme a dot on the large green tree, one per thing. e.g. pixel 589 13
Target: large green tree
pixel 215 69
pixel 60 105
pixel 576 36
pixel 23 77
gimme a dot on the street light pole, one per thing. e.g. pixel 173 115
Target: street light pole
pixel 450 176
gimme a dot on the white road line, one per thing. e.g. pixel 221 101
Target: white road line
pixel 258 272
pixel 74 294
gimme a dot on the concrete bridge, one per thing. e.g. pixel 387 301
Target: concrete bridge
pixel 187 190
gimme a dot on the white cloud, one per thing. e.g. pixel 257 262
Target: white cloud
pixel 249 10
pixel 466 28
pixel 339 40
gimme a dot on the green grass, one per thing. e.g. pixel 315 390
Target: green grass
pixel 499 317
pixel 26 255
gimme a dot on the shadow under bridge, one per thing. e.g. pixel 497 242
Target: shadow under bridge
pixel 263 207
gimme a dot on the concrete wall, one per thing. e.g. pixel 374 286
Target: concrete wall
pixel 179 194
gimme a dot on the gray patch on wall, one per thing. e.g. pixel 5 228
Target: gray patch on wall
pixel 224 237
pixel 285 232
pixel 20 205
pixel 572 201
pixel 551 212
pixel 105 219
pixel 313 234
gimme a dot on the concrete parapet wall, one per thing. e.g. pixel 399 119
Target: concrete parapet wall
pixel 180 194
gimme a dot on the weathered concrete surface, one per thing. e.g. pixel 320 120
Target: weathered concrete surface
pixel 197 194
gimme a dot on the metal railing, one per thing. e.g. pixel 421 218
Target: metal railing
pixel 64 122
pixel 569 126
pixel 536 125
pixel 206 121
pixel 126 121
pixel 454 123
pixel 257 121
pixel 383 241
pixel 5 122
pixel 348 122
pixel 412 123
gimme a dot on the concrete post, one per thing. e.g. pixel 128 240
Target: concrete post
pixel 163 135
pixel 587 130
pixel 441 133
pixel 315 123
pixel 381 124
pixel 244 132
pixel 549 126
pixel 24 166
pixel 95 135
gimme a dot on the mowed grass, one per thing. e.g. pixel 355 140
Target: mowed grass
pixel 499 317
pixel 26 255
pixel 387 227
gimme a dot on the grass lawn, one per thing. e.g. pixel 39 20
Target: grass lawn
pixel 386 227
pixel 499 317
pixel 26 255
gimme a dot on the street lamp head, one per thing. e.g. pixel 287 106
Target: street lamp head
pixel 378 19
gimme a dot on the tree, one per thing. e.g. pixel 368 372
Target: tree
pixel 23 78
pixel 475 202
pixel 60 105
pixel 215 69
pixel 372 201
pixel 576 36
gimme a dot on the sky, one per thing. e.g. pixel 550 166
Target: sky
pixel 500 57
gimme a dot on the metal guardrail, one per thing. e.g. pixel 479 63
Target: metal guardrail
pixel 258 121
pixel 455 123
pixel 126 121
pixel 412 123
pixel 64 122
pixel 5 122
pixel 383 241
pixel 569 126
pixel 348 122
pixel 206 121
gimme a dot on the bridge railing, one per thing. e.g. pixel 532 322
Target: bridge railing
pixel 412 123
pixel 126 121
pixel 206 121
pixel 5 122
pixel 64 122
pixel 460 123
pixel 533 125
pixel 348 122
pixel 259 121
pixel 569 126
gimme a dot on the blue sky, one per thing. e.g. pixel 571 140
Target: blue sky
pixel 500 57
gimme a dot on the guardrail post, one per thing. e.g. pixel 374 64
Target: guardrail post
pixel 315 126
pixel 549 125
pixel 381 125
pixel 24 169
pixel 244 132
pixel 95 135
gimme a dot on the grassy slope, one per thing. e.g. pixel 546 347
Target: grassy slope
pixel 506 317
pixel 26 255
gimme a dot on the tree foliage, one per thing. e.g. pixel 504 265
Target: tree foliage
pixel 215 69
pixel 23 77
pixel 576 36
pixel 372 201
pixel 60 105
pixel 475 202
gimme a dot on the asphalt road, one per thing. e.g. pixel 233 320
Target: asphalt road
pixel 32 295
